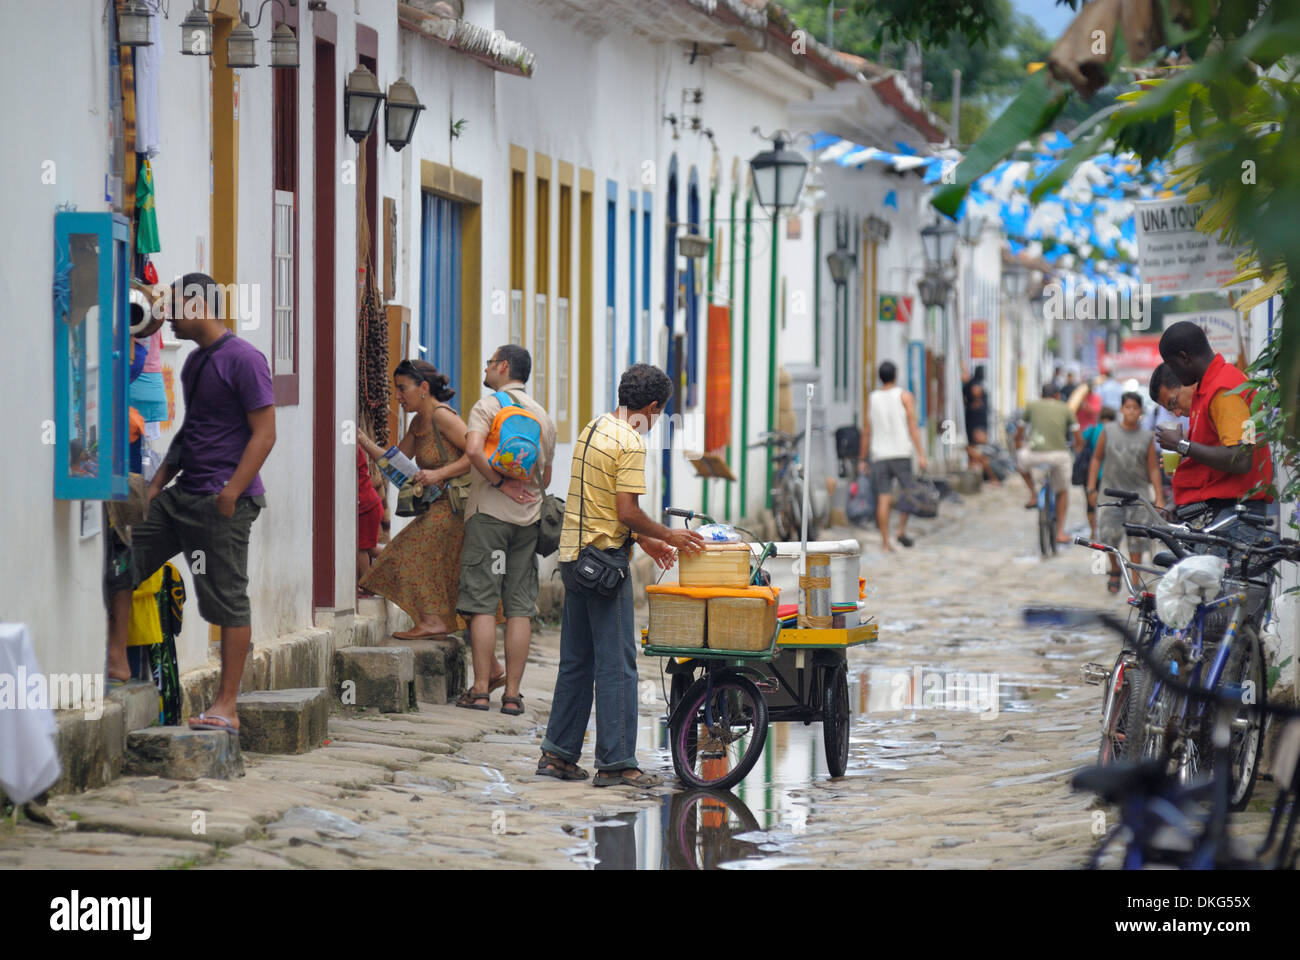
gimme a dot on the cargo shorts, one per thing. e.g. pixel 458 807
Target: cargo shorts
pixel 498 564
pixel 215 548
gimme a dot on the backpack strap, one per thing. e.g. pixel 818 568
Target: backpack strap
pixel 505 399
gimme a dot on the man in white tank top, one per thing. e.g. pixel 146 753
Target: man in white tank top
pixel 889 433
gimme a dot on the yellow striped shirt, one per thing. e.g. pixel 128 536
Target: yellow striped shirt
pixel 613 463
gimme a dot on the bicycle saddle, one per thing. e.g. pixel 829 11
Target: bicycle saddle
pixel 1164 559
pixel 1115 782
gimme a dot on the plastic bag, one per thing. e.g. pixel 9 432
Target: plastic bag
pixel 861 505
pixel 1188 583
pixel 718 533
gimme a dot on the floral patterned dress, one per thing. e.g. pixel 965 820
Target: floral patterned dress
pixel 420 569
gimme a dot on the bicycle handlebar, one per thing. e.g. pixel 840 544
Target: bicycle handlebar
pixel 1164 536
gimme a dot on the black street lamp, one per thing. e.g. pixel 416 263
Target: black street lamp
pixel 841 263
pixel 401 110
pixel 361 99
pixel 133 24
pixel 940 241
pixel 778 177
pixel 934 289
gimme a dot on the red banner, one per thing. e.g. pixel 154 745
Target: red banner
pixel 717 397
pixel 979 339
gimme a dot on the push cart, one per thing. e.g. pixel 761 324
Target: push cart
pixel 720 702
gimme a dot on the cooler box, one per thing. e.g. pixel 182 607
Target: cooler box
pixel 743 622
pixel 676 619
pixel 719 565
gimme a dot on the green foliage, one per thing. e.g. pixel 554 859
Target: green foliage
pixel 992 60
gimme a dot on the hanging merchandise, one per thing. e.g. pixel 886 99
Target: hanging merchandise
pixel 148 65
pixel 146 234
pixel 372 333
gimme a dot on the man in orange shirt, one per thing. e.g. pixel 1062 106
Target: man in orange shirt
pixel 1219 467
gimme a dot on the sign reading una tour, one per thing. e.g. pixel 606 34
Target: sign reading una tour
pixel 1175 257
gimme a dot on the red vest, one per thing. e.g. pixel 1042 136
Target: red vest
pixel 1195 482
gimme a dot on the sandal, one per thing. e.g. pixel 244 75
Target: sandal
pixel 518 704
pixel 627 777
pixel 469 700
pixel 553 765
pixel 1112 583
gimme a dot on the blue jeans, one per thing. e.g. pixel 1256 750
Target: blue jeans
pixel 597 646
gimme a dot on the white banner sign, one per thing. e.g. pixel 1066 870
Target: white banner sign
pixel 1220 326
pixel 1173 256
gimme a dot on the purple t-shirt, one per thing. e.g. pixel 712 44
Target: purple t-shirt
pixel 235 381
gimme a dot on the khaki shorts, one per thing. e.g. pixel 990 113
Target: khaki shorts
pixel 498 564
pixel 1110 526
pixel 1060 462
pixel 215 548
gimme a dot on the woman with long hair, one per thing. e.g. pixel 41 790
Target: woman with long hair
pixel 420 569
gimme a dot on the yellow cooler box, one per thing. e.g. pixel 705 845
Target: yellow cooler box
pixel 719 565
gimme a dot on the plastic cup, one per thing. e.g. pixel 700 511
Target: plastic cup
pixel 1171 459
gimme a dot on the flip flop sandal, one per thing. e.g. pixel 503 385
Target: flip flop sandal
pixel 469 700
pixel 621 778
pixel 555 766
pixel 214 722
pixel 498 682
pixel 518 703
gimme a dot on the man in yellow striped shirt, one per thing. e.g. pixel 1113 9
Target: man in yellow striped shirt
pixel 597 634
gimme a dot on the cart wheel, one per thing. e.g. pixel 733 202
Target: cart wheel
pixel 835 718
pixel 719 754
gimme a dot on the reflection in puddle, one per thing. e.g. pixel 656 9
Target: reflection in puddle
pixel 692 830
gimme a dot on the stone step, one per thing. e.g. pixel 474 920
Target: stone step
pixel 440 667
pixel 179 753
pixel 283 721
pixel 382 677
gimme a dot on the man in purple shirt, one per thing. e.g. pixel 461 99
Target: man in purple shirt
pixel 207 514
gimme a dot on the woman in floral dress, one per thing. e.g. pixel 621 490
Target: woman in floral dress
pixel 420 569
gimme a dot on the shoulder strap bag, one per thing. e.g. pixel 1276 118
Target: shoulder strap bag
pixel 601 572
pixel 455 490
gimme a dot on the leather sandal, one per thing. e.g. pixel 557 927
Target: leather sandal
pixel 518 703
pixel 469 700
pixel 627 777
pixel 553 765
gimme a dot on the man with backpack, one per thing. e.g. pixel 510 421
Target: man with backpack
pixel 510 443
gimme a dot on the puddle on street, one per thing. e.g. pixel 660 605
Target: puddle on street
pixel 753 825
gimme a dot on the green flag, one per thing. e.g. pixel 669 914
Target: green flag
pixel 146 232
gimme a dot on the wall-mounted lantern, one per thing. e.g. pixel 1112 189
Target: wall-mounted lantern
pixel 361 99
pixel 133 24
pixel 401 111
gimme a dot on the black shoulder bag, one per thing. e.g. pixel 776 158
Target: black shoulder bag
pixel 601 572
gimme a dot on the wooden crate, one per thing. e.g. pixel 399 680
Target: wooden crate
pixel 676 621
pixel 741 623
pixel 720 565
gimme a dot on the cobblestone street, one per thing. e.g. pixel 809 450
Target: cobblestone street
pixel 926 787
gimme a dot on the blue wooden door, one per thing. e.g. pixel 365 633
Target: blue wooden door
pixel 440 288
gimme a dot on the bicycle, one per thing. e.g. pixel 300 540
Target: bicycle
pixel 1160 815
pixel 788 478
pixel 1175 729
pixel 1046 504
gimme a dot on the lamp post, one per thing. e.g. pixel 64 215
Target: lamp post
pixel 778 176
pixel 1015 283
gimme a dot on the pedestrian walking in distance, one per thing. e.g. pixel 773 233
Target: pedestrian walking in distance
pixel 889 435
pixel 597 635
pixel 1126 451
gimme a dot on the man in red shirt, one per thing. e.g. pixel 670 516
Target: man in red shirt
pixel 1219 466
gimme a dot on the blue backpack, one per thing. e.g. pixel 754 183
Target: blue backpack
pixel 514 443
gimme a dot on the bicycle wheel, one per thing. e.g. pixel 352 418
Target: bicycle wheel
pixel 835 718
pixel 1162 716
pixel 728 721
pixel 1046 524
pixel 1116 736
pixel 1245 669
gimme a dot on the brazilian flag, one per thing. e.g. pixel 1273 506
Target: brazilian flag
pixel 146 231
